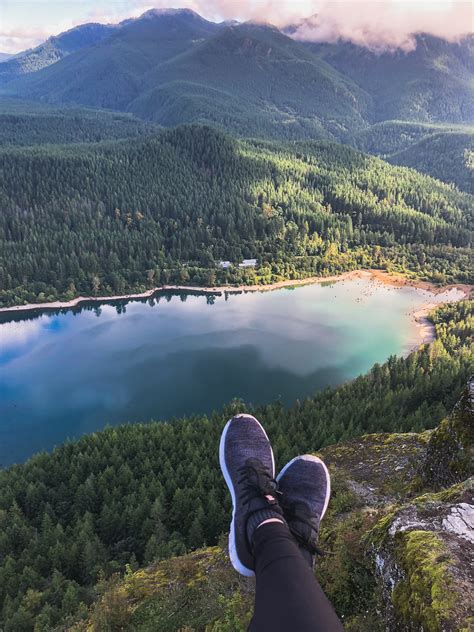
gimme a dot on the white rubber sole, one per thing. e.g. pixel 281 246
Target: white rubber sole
pixel 234 558
pixel 314 459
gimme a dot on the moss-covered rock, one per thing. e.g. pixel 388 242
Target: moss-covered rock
pixel 449 454
pixel 345 572
pixel 422 552
pixel 424 597
pixel 379 468
pixel 197 591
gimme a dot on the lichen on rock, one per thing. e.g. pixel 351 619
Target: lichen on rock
pixel 424 598
pixel 423 558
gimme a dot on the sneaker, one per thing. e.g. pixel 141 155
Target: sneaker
pixel 305 488
pixel 248 466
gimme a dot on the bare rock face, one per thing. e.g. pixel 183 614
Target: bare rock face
pixel 449 454
pixel 460 521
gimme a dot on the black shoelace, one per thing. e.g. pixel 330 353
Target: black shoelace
pixel 299 512
pixel 256 481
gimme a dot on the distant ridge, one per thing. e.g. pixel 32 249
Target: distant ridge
pixel 166 13
pixel 52 50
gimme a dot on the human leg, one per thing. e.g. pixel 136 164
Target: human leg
pixel 288 598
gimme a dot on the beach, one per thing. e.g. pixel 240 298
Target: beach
pixel 379 275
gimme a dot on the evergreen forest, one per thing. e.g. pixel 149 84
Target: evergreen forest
pixel 116 216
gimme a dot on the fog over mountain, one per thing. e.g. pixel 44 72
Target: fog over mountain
pixel 383 25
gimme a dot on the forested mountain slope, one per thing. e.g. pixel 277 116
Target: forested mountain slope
pixel 260 72
pixel 389 137
pixel 109 75
pixel 29 123
pixel 443 151
pixel 174 67
pixel 53 49
pixel 138 493
pixel 432 83
pixel 447 156
pixel 136 213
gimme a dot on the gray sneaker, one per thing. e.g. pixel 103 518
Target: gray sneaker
pixel 305 488
pixel 248 466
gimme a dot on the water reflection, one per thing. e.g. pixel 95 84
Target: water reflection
pixel 63 373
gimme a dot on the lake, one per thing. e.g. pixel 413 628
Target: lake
pixel 62 375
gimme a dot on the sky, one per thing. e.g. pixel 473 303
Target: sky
pixel 377 24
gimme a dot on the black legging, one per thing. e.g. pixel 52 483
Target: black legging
pixel 288 598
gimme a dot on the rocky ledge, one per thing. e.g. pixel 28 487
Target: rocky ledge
pixel 398 534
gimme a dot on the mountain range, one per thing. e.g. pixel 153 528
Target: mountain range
pixel 173 66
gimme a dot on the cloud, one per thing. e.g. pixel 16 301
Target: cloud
pixel 387 25
pixel 12 40
pixel 13 335
pixel 376 24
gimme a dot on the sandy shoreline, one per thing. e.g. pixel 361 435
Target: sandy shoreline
pixel 218 290
pixel 425 327
pixel 378 275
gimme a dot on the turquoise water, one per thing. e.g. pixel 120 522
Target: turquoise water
pixel 62 375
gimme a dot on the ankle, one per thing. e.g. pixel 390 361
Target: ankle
pixel 268 521
pixel 260 517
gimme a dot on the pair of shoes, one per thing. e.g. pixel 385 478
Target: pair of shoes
pixel 298 497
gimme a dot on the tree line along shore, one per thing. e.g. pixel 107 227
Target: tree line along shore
pixel 376 275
